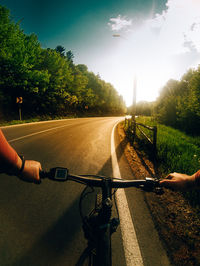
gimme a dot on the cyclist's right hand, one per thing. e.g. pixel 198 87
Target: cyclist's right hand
pixel 177 181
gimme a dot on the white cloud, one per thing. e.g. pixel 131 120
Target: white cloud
pixel 180 22
pixel 119 23
pixel 158 49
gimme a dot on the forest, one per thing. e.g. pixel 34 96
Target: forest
pixel 178 104
pixel 48 80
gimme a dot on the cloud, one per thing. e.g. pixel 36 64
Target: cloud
pixel 179 22
pixel 157 49
pixel 178 34
pixel 119 23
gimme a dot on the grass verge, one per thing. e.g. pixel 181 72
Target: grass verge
pixel 176 151
pixel 36 119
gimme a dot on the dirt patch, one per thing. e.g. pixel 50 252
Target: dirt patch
pixel 178 224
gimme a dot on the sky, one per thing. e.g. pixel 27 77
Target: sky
pixel 141 42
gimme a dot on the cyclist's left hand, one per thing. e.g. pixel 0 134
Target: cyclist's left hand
pixel 31 171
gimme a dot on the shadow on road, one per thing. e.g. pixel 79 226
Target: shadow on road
pixel 142 161
pixel 107 167
pixel 155 168
pixel 53 244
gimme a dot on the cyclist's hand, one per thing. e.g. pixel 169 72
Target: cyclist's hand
pixel 31 171
pixel 177 181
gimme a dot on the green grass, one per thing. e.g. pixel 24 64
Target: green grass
pixel 36 119
pixel 16 122
pixel 176 151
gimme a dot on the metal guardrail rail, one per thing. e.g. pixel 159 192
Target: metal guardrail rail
pixel 133 125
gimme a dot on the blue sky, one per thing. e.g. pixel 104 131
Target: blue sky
pixel 158 39
pixel 78 25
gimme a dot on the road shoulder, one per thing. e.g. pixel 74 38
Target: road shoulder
pixel 175 220
pixel 152 250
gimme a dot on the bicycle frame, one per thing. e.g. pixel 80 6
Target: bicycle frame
pixel 104 244
pixel 100 226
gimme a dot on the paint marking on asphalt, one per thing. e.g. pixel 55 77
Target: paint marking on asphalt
pixel 36 133
pixel 39 122
pixel 131 247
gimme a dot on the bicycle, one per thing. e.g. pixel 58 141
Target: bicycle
pixel 98 226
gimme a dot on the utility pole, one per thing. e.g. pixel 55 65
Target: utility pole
pixel 134 108
pixel 134 85
pixel 134 97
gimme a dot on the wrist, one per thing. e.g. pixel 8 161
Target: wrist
pixel 19 167
pixel 197 178
pixel 22 165
pixel 192 182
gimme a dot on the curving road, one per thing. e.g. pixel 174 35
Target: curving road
pixel 40 224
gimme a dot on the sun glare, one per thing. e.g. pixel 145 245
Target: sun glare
pixel 154 49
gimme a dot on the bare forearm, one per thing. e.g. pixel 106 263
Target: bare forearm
pixel 9 159
pixel 197 178
pixel 11 163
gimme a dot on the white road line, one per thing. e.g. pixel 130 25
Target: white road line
pixel 36 133
pixel 39 122
pixel 131 247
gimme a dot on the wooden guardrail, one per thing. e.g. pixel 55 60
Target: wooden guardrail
pixel 132 126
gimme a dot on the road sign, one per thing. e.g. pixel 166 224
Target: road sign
pixel 19 100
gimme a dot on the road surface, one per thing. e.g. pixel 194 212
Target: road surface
pixel 40 224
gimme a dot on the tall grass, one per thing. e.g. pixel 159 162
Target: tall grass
pixel 176 151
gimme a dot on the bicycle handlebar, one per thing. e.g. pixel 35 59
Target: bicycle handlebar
pixel 62 174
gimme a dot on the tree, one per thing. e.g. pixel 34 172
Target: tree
pixel 178 103
pixel 60 78
pixel 47 79
pixel 61 50
pixel 19 54
pixel 166 105
pixel 70 56
pixel 144 108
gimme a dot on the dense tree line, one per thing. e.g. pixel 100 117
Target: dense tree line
pixel 179 103
pixel 142 108
pixel 47 79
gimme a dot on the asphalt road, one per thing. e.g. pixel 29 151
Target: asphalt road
pixel 40 224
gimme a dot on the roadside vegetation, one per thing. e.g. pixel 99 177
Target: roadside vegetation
pixel 48 80
pixel 177 105
pixel 32 120
pixel 176 113
pixel 176 152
